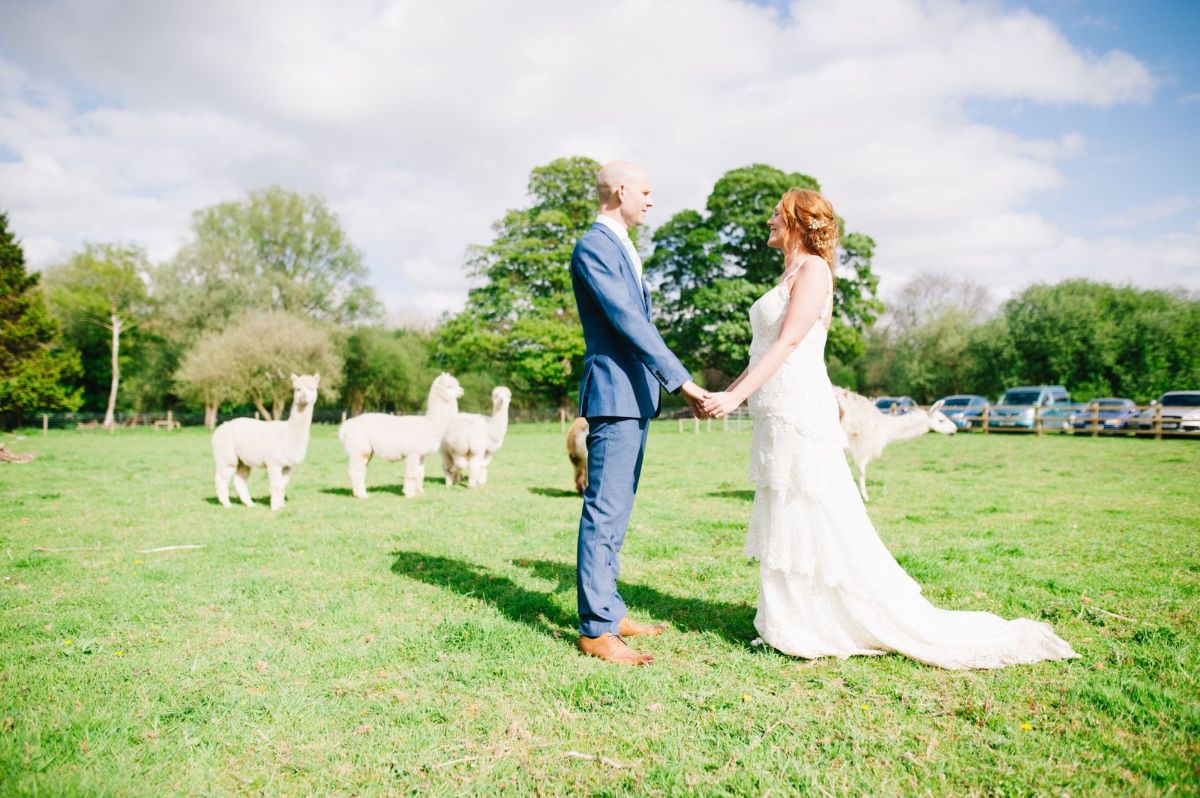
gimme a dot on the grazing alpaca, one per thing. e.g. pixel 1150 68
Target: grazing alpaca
pixel 407 438
pixel 869 430
pixel 472 440
pixel 577 452
pixel 244 443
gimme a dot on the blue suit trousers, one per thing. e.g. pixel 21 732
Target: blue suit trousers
pixel 615 450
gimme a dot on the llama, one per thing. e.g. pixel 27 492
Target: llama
pixel 278 446
pixel 472 440
pixel 868 430
pixel 577 452
pixel 407 438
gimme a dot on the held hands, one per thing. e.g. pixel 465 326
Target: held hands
pixel 720 404
pixel 695 395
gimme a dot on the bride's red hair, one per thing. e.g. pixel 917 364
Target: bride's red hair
pixel 808 219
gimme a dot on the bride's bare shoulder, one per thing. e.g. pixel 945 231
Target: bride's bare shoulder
pixel 809 273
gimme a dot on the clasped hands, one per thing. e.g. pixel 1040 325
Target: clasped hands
pixel 705 404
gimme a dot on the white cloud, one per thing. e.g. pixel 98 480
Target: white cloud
pixel 419 122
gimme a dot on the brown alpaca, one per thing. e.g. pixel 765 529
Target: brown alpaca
pixel 577 451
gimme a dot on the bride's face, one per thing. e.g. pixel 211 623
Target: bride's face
pixel 775 238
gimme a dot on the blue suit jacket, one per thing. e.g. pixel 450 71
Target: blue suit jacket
pixel 626 359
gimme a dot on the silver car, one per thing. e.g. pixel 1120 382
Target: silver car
pixel 1180 412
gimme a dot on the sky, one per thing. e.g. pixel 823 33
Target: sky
pixel 1005 142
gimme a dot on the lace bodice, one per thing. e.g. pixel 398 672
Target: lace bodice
pixel 799 391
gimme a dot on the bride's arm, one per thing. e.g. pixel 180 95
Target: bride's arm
pixel 808 298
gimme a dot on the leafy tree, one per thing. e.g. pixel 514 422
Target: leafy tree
pixel 386 370
pixel 521 316
pixel 102 286
pixel 33 367
pixel 709 268
pixel 258 353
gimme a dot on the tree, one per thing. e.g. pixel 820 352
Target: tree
pixel 709 268
pixel 386 370
pixel 34 367
pixel 275 250
pixel 251 361
pixel 102 286
pixel 521 315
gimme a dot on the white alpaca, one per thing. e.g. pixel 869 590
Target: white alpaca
pixel 244 443
pixel 869 430
pixel 472 440
pixel 577 452
pixel 407 438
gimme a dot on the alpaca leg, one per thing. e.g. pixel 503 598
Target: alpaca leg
pixel 475 475
pixel 224 473
pixel 862 481
pixel 275 477
pixel 358 475
pixel 240 483
pixel 421 475
pixel 287 477
pixel 581 478
pixel 414 474
pixel 448 469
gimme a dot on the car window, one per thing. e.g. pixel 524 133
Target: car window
pixel 957 401
pixel 1020 397
pixel 1180 399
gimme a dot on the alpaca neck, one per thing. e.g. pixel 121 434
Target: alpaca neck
pixel 498 424
pixel 910 425
pixel 440 412
pixel 299 424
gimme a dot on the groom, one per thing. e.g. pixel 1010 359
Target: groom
pixel 625 363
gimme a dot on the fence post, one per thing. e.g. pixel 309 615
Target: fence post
pixel 725 423
pixel 1095 420
pixel 695 426
pixel 1158 422
pixel 680 425
pixel 45 423
pixel 984 419
pixel 1037 420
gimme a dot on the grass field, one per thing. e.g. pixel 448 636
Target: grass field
pixel 426 646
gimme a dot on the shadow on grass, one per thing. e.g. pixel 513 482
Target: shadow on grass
pixel 477 581
pixel 744 495
pixel 396 489
pixel 258 500
pixel 555 493
pixel 733 622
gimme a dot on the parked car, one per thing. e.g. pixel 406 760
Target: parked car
pixel 902 404
pixel 1180 412
pixel 965 410
pixel 1019 407
pixel 1108 414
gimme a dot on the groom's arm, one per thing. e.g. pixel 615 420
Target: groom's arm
pixel 608 287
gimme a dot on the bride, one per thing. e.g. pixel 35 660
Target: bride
pixel 828 585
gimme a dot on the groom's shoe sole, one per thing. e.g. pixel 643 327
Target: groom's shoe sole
pixel 631 628
pixel 611 648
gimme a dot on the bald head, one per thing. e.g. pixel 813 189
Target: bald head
pixel 624 190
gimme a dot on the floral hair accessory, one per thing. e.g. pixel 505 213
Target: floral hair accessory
pixel 816 224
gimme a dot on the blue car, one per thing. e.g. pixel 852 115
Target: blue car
pixel 895 405
pixel 1109 414
pixel 965 410
pixel 1020 407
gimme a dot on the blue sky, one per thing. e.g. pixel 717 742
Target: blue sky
pixel 419 123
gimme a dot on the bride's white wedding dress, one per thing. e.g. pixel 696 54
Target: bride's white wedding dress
pixel 829 585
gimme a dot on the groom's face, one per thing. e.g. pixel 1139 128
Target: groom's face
pixel 636 198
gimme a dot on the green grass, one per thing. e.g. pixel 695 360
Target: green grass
pixel 426 646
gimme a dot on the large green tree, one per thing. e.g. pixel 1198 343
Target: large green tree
pixel 710 267
pixel 103 286
pixel 386 370
pixel 34 366
pixel 521 315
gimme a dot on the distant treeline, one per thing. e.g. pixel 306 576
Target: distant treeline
pixel 271 285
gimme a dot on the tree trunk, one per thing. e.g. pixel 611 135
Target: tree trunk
pixel 277 409
pixel 210 415
pixel 262 409
pixel 109 417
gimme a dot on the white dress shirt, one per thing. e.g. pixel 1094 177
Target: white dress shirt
pixel 626 241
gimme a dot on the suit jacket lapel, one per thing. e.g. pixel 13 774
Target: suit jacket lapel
pixel 643 287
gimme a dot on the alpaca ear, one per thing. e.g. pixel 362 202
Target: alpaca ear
pixel 316 378
pixel 294 380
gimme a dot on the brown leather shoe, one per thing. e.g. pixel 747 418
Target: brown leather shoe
pixel 631 628
pixel 611 648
